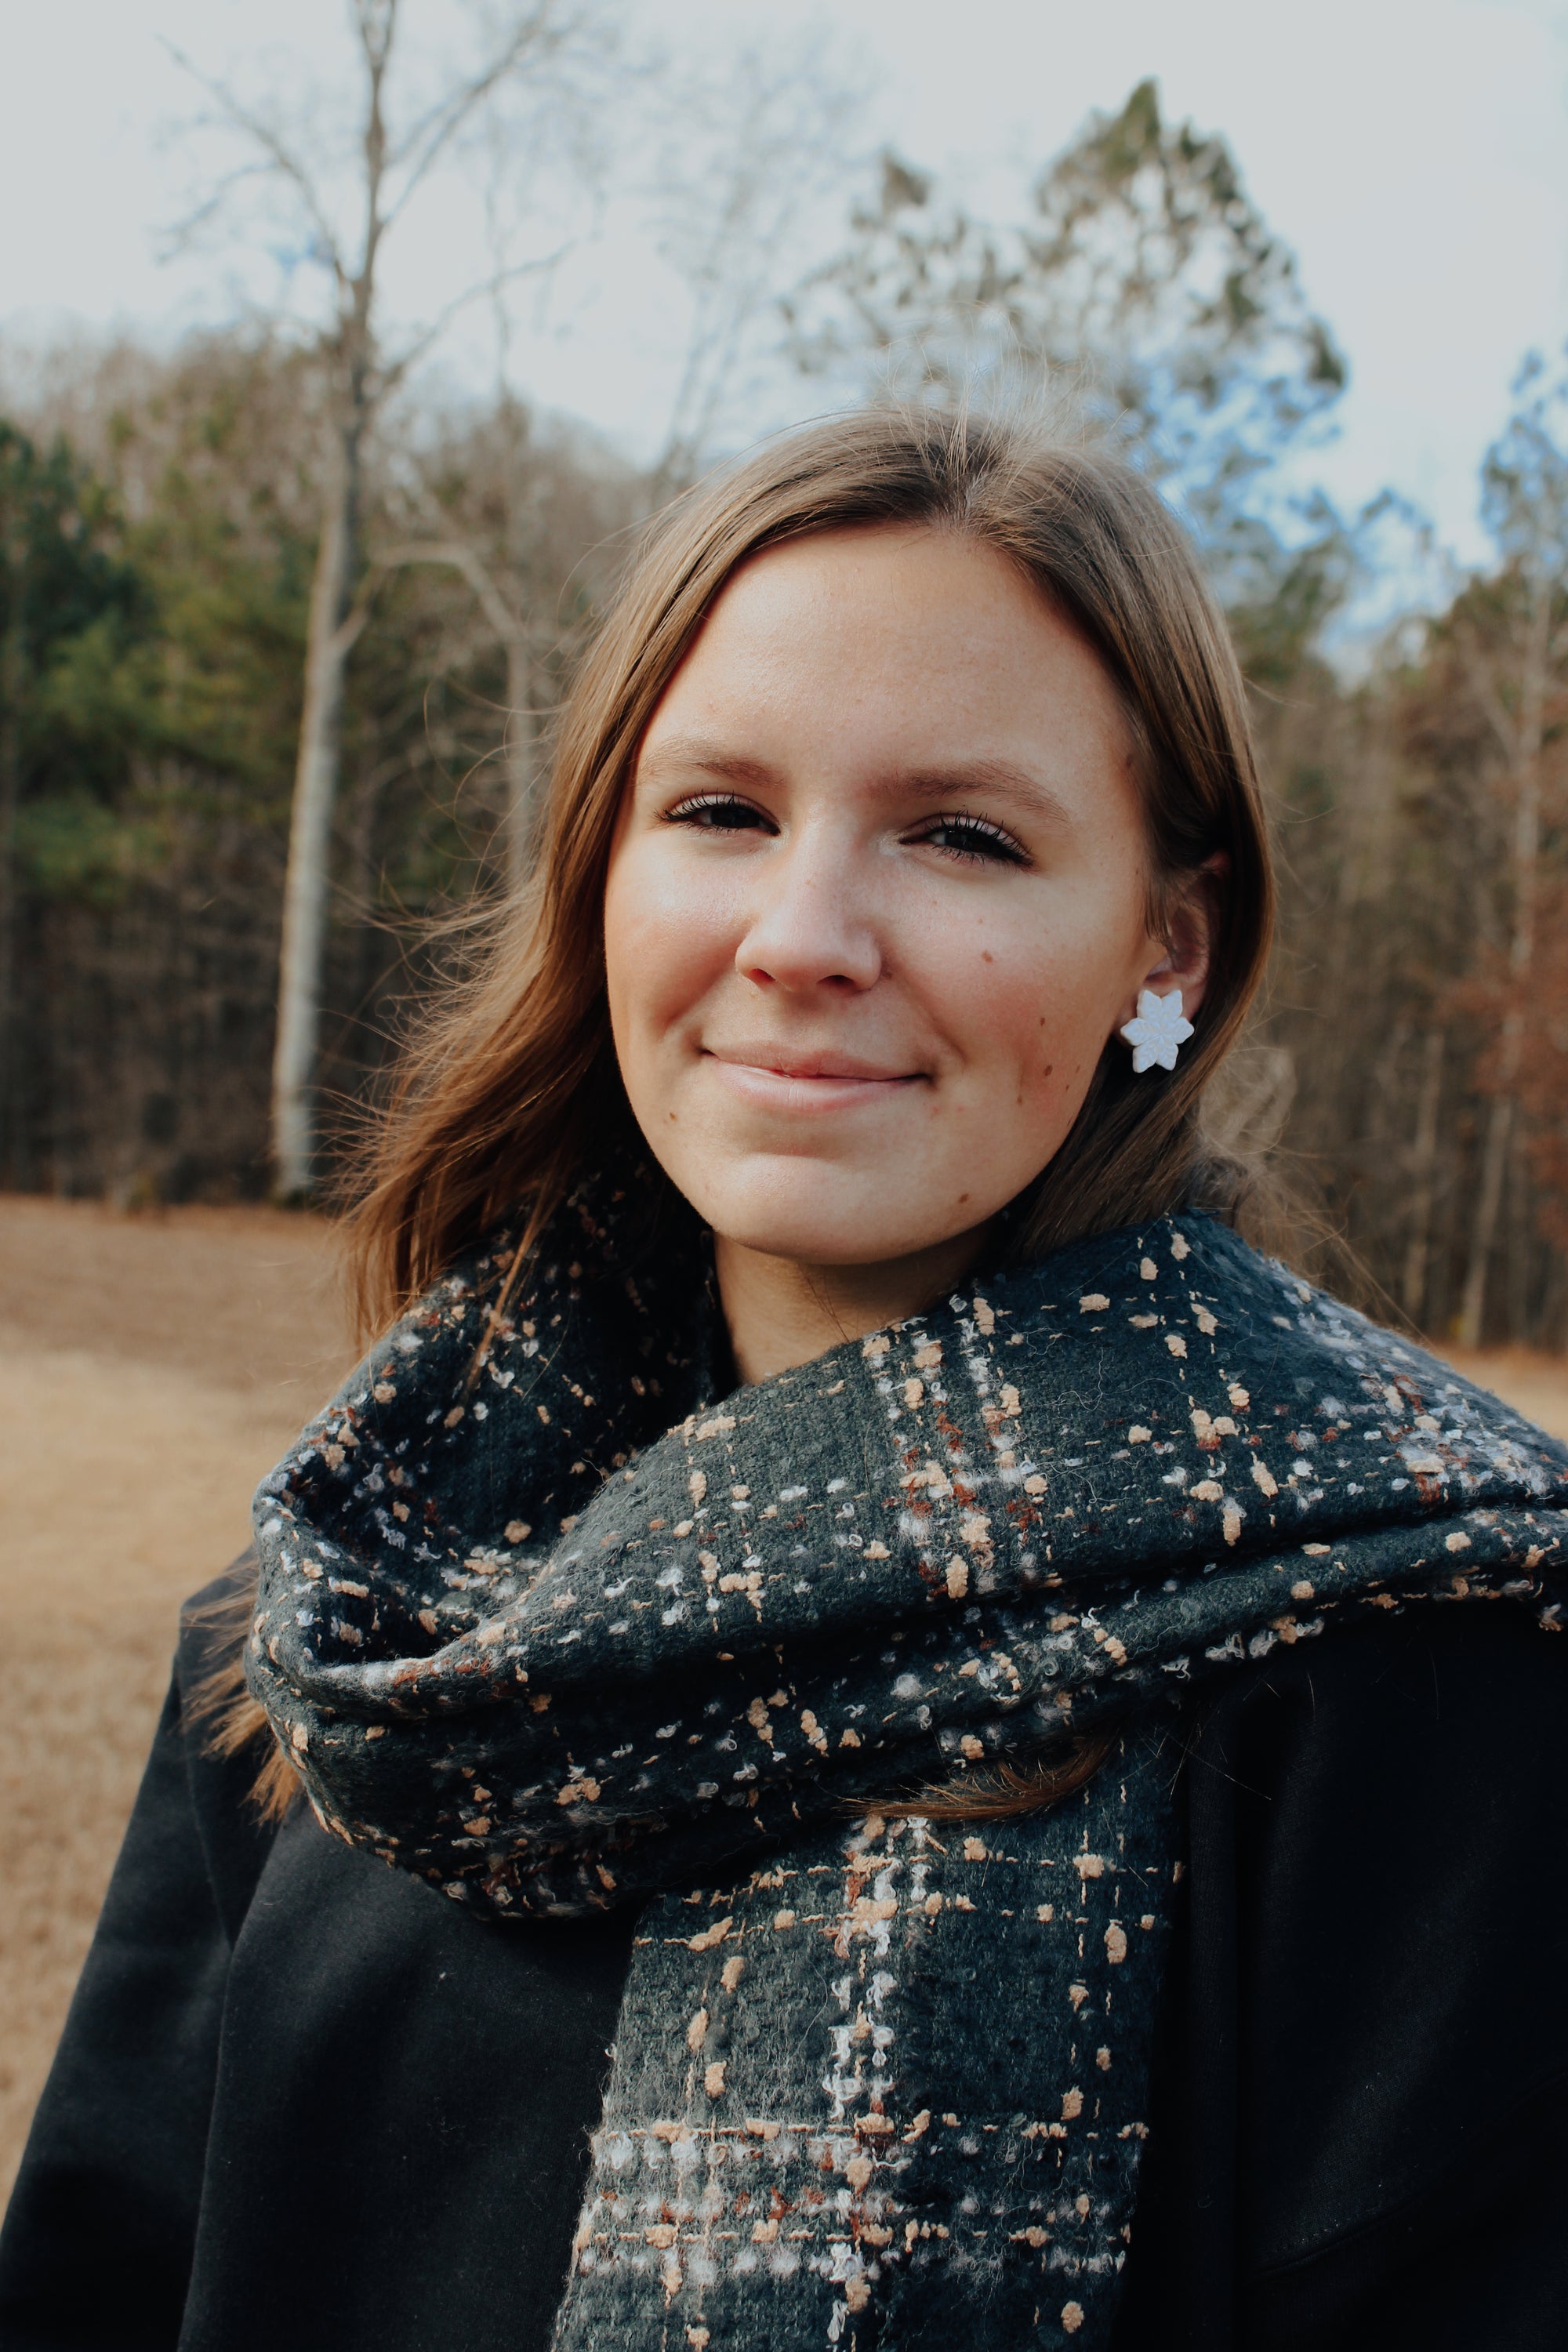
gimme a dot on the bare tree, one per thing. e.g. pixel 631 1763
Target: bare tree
pixel 754 148
pixel 543 43
pixel 1518 723
pixel 1423 1176
pixel 1513 647
pixel 509 622
pixel 750 145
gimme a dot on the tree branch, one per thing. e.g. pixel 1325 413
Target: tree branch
pixel 426 140
pixel 461 558
pixel 1493 708
pixel 394 375
pixel 279 159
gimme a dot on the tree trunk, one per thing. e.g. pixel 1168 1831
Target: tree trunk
pixel 1423 1175
pixel 303 953
pixel 1518 1230
pixel 1526 747
pixel 1488 1196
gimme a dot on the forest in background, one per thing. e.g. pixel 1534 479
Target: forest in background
pixel 166 525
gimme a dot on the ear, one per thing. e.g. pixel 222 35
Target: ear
pixel 1192 920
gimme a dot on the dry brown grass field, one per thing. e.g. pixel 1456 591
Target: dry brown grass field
pixel 151 1368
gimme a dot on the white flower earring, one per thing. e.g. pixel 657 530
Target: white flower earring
pixel 1159 1031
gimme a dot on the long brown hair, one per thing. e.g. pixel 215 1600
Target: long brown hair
pixel 510 1088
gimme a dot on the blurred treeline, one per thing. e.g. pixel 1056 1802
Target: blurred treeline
pixel 159 521
pixel 159 524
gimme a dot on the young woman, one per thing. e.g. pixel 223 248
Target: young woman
pixel 906 1744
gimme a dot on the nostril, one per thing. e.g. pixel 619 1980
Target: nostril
pixel 800 963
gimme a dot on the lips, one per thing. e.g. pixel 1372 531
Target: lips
pixel 796 1082
pixel 787 1062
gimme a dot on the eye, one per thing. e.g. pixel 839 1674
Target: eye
pixel 972 837
pixel 718 812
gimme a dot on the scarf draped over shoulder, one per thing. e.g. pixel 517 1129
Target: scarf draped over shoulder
pixel 546 1620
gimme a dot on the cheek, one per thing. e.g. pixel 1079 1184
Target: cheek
pixel 1038 1008
pixel 665 942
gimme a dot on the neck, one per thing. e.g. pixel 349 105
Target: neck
pixel 784 1311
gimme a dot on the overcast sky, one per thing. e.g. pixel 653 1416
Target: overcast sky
pixel 1411 151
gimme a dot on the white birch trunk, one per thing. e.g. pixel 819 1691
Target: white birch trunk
pixel 303 953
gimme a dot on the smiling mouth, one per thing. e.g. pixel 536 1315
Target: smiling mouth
pixel 780 1079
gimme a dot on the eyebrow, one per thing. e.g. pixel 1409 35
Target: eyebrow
pixel 986 775
pixel 711 759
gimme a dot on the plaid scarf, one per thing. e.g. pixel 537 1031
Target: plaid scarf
pixel 545 1619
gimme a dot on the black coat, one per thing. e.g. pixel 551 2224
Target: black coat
pixel 302 2100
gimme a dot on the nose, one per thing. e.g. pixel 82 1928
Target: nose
pixel 807 927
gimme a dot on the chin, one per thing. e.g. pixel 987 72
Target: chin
pixel 818 1223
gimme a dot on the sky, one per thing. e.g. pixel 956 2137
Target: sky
pixel 1412 153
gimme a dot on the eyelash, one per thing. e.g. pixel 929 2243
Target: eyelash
pixel 1000 847
pixel 700 804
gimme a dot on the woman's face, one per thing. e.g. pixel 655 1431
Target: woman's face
pixel 877 898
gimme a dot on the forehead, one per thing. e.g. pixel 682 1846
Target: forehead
pixel 909 631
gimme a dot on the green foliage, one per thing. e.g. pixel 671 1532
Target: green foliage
pixel 1524 477
pixel 153 616
pixel 64 582
pixel 71 846
pixel 1281 595
pixel 1143 282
